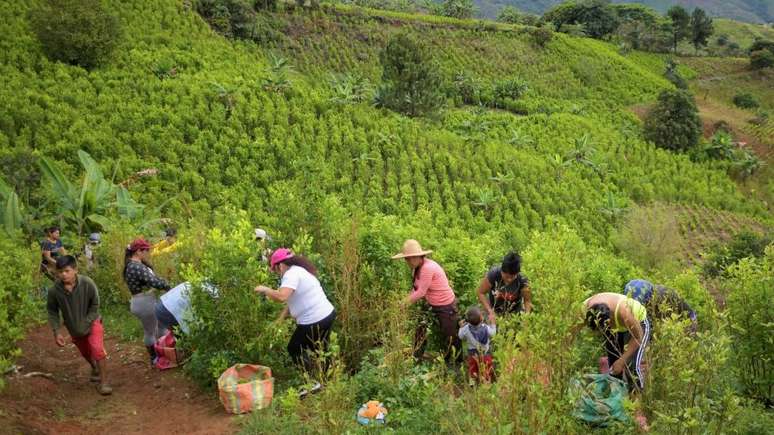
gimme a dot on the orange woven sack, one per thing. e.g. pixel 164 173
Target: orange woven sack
pixel 245 387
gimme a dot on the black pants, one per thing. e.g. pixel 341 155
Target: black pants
pixel 615 344
pixel 448 322
pixel 309 341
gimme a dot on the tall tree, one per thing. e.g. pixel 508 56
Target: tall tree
pixel 701 28
pixel 681 24
pixel 411 78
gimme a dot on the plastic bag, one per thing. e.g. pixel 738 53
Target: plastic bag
pixel 600 399
pixel 167 356
pixel 245 387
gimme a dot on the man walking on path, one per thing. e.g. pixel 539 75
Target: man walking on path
pixel 77 299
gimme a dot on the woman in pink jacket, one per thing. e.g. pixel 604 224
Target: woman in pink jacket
pixel 431 284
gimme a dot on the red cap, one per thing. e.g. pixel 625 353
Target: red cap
pixel 139 245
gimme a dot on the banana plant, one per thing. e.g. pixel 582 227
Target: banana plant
pixel 84 207
pixel 10 212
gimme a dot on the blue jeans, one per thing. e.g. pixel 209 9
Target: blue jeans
pixel 165 318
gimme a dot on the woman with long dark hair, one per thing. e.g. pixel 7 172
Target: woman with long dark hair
pixel 307 304
pixel 141 280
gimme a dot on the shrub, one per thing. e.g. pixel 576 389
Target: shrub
pixel 17 307
pixel 235 325
pixel 721 256
pixel 541 36
pixel 238 19
pixel 674 122
pixel 761 59
pixel 78 32
pixel 683 387
pixel 750 283
pixel 510 15
pixel 674 76
pixel 510 88
pixel 411 79
pixel 746 101
pixel 650 237
pixel 460 9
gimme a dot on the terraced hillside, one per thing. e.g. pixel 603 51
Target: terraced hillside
pixel 206 123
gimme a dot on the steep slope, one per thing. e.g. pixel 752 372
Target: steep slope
pixel 218 137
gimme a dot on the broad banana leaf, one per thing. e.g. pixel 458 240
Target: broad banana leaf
pixel 100 220
pixel 12 217
pixel 96 191
pixel 62 187
pixel 127 207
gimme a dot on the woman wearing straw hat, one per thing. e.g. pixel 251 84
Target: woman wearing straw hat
pixel 431 284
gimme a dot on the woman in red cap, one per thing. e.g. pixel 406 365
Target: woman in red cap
pixel 307 304
pixel 141 280
pixel 432 285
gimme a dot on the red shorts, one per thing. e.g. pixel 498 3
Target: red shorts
pixel 91 346
pixel 480 367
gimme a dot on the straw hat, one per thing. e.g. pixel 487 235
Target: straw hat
pixel 411 248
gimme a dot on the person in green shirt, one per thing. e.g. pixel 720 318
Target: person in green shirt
pixel 623 322
pixel 76 298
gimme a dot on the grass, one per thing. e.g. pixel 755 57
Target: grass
pixel 121 323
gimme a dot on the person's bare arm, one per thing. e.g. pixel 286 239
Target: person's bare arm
pixel 49 259
pixel 526 293
pixel 482 293
pixel 283 314
pixel 280 295
pixel 635 330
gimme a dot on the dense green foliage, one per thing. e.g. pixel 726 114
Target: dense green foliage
pixel 249 131
pixel 751 288
pixel 17 293
pixel 596 17
pixel 762 54
pixel 751 11
pixel 746 101
pixel 411 79
pixel 745 244
pixel 78 32
pixel 701 28
pixel 674 122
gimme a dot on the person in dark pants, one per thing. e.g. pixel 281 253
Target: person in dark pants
pixel 624 325
pixel 307 304
pixel 431 284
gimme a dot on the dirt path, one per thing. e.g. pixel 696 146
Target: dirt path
pixel 143 400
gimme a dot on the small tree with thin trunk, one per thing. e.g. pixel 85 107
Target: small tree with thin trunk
pixel 701 28
pixel 680 24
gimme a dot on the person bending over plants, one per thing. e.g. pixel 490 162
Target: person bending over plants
pixel 617 317
pixel 77 299
pixel 307 304
pixel 660 301
pixel 431 284
pixel 504 289
pixel 142 281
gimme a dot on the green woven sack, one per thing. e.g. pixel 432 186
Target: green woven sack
pixel 599 399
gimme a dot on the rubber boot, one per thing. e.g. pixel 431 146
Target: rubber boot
pixel 152 353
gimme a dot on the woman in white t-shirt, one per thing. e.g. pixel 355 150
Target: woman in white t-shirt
pixel 306 303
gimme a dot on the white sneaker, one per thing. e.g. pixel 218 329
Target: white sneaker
pixel 316 388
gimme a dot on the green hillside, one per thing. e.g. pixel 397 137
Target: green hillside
pixel 272 132
pixel 751 11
